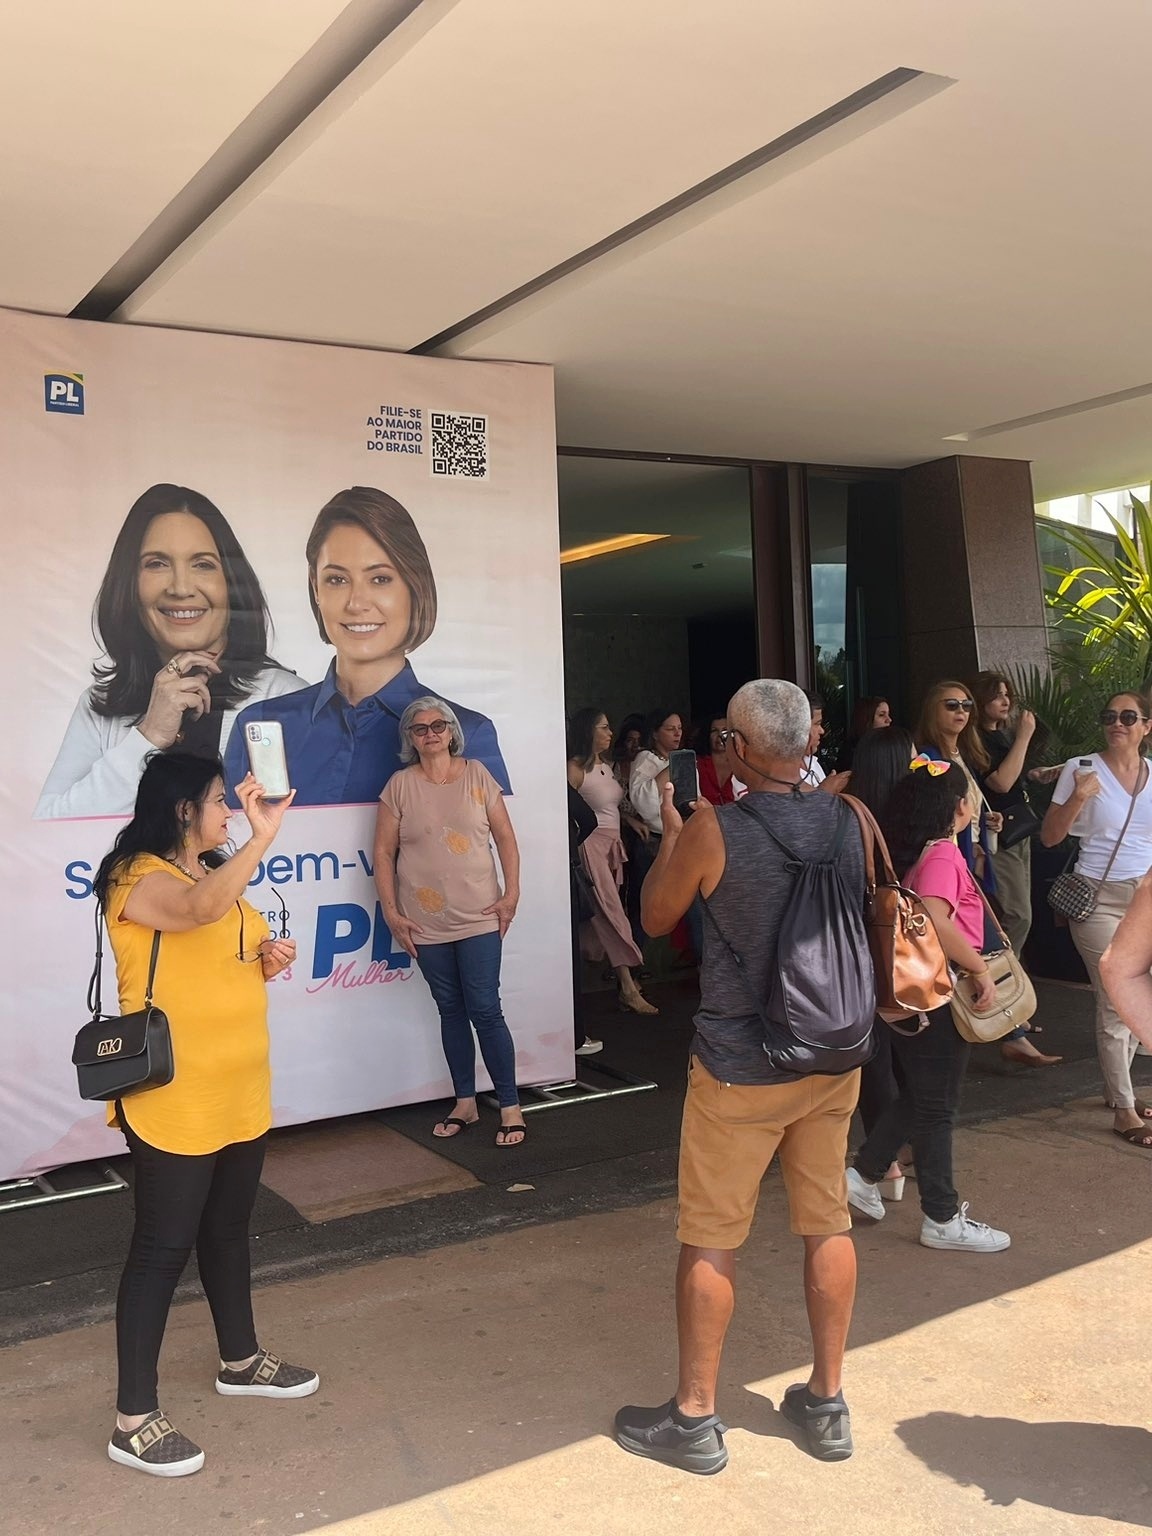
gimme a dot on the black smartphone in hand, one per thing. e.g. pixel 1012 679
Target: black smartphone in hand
pixel 684 772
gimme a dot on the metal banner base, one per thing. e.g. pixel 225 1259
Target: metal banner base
pixel 15 1194
pixel 576 1091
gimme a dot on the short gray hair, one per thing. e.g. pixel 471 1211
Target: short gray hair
pixel 408 753
pixel 773 716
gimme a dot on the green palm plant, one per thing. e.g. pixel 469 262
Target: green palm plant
pixel 1100 626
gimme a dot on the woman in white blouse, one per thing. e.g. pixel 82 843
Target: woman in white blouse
pixel 664 731
pixel 184 625
pixel 1105 800
pixel 663 734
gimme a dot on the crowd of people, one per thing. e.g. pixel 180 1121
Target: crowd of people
pixel 930 794
pixel 718 865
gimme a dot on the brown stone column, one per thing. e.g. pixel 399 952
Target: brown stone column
pixel 970 570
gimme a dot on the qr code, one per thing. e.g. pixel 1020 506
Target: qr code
pixel 459 445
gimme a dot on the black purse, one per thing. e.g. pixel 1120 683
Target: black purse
pixel 584 893
pixel 116 1057
pixel 1020 823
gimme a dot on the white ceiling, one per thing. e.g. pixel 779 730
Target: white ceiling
pixel 966 258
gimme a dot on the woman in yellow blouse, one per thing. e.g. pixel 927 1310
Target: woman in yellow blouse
pixel 197 1144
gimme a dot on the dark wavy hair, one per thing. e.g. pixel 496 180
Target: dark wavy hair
pixel 124 686
pixel 581 735
pixel 169 780
pixel 384 519
pixel 703 738
pixel 654 719
pixel 882 759
pixel 629 724
pixel 863 714
pixel 922 806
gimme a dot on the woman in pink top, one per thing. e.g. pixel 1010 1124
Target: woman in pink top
pixel 440 894
pixel 607 932
pixel 922 817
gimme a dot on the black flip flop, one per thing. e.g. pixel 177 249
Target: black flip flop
pixel 454 1120
pixel 506 1130
pixel 1135 1136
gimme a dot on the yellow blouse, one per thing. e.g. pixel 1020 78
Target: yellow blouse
pixel 217 1008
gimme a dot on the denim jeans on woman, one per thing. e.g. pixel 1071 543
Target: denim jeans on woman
pixel 464 980
pixel 932 1065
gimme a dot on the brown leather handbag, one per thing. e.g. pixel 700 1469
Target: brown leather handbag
pixel 912 975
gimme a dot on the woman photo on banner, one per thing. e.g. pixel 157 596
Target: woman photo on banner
pixel 184 625
pixel 373 596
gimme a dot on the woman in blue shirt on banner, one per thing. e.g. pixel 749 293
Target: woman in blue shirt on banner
pixel 373 595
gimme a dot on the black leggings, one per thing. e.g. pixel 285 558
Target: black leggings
pixel 180 1202
pixel 933 1064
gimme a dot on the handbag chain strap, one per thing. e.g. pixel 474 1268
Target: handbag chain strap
pixel 94 981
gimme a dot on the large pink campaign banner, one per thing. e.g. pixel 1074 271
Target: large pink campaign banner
pixel 159 489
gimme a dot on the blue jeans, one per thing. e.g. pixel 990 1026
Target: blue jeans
pixel 464 980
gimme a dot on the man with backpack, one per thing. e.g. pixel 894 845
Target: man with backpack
pixel 786 1010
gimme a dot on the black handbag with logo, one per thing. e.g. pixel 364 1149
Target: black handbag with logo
pixel 116 1057
pixel 1020 822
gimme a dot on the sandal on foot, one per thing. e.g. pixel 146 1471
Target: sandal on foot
pixel 1142 1109
pixel 1136 1136
pixel 454 1120
pixel 506 1131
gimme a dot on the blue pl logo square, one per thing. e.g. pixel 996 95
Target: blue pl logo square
pixel 64 392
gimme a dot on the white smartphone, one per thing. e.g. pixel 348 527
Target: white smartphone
pixel 265 742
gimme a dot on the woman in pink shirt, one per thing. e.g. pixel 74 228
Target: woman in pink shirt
pixel 921 820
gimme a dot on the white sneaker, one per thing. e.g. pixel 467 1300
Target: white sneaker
pixel 590 1047
pixel 962 1235
pixel 864 1197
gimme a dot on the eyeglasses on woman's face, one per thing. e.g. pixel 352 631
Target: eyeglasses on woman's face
pixel 436 727
pixel 958 706
pixel 1127 717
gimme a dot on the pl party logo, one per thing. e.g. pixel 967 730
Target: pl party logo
pixel 64 392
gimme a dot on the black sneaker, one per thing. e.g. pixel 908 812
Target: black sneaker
pixel 267 1376
pixel 655 1433
pixel 827 1425
pixel 155 1447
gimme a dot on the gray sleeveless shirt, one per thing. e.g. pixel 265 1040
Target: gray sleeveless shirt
pixel 749 904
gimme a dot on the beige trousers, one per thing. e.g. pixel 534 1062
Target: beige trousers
pixel 1115 1043
pixel 1013 870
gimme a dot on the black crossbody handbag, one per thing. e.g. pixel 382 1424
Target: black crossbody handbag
pixel 116 1057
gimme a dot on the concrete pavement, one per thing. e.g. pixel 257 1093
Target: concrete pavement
pixel 470 1389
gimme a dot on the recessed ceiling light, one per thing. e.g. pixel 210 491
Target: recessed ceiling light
pixel 608 546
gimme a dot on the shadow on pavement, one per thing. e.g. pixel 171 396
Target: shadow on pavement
pixel 1102 1470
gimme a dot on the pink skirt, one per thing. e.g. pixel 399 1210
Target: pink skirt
pixel 607 935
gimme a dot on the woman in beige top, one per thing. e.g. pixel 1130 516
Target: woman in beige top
pixel 440 894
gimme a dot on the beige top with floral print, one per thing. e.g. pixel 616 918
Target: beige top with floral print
pixel 445 869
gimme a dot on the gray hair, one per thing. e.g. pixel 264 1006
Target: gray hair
pixel 408 753
pixel 773 716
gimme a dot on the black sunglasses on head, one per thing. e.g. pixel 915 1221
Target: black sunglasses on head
pixel 1124 716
